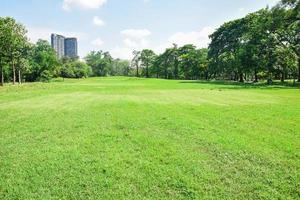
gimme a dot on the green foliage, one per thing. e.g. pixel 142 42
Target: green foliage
pixel 185 62
pixel 260 42
pixel 13 46
pixel 45 76
pixel 147 58
pixel 75 69
pixel 43 61
pixel 120 68
pixel 100 62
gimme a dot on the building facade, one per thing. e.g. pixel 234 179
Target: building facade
pixel 71 47
pixel 58 44
pixel 64 47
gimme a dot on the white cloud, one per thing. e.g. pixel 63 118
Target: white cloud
pixel 133 39
pixel 35 33
pixel 97 42
pixel 136 44
pixel 198 38
pixel 136 33
pixel 122 52
pixel 241 9
pixel 98 22
pixel 137 39
pixel 83 4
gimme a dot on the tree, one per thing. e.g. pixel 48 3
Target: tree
pixel 167 63
pixel 23 61
pixel 175 58
pixel 120 67
pixel 136 61
pixel 171 62
pixel 75 69
pixel 17 41
pixel 190 61
pixel 13 40
pixel 286 23
pixel 229 40
pixel 101 63
pixel 147 57
pixel 43 62
pixel 3 50
pixel 203 62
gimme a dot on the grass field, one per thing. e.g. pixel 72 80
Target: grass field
pixel 128 138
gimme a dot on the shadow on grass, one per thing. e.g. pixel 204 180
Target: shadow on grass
pixel 237 85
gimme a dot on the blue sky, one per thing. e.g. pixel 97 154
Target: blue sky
pixel 120 26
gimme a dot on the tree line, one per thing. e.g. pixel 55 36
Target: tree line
pixel 264 45
pixel 20 60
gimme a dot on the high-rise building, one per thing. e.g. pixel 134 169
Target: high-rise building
pixel 58 44
pixel 64 47
pixel 71 47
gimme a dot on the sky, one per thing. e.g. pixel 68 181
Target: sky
pixel 121 26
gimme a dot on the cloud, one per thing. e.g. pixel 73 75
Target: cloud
pixel 35 33
pixel 135 44
pixel 133 39
pixel 136 33
pixel 83 4
pixel 241 9
pixel 97 42
pixel 198 38
pixel 98 22
pixel 137 39
pixel 122 52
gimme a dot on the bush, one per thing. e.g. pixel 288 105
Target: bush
pixel 75 69
pixel 46 76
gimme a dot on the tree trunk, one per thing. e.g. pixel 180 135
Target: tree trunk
pixel 19 74
pixel 2 76
pixel 147 71
pixel 299 69
pixel 255 76
pixel 241 78
pixel 236 76
pixel 166 73
pixel 137 71
pixel 282 78
pixel 14 72
pixel 176 71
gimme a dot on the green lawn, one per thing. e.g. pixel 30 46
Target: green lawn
pixel 128 138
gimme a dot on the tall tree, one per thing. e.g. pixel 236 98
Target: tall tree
pixel 190 61
pixel 120 67
pixel 3 50
pixel 16 40
pixel 147 58
pixel 100 62
pixel 43 62
pixel 136 61
pixel 286 26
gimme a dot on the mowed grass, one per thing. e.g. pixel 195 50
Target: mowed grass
pixel 129 138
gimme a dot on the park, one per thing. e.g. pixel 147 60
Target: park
pixel 148 99
pixel 134 138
